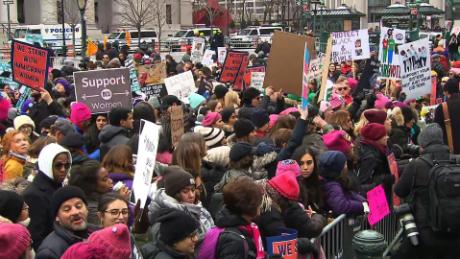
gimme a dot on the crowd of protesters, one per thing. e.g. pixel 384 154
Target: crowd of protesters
pixel 249 164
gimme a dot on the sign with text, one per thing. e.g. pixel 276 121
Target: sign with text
pixel 389 61
pixel 146 154
pixel 197 49
pixel 177 123
pixel 152 74
pixel 103 90
pixel 350 45
pixel 238 85
pixel 207 58
pixel 284 245
pixel 249 71
pixel 221 54
pixel 30 65
pixel 378 205
pixel 231 66
pixel 154 91
pixel 415 68
pixel 257 80
pixel 181 85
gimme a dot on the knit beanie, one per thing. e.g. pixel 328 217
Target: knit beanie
pixel 212 136
pixel 288 166
pixel 407 114
pixel 240 150
pixel 331 164
pixel 220 91
pixel 79 112
pixel 243 127
pixel 227 113
pixel 381 101
pixel 432 134
pixel 375 116
pixel 115 240
pixel 176 179
pixel 249 94
pixel 22 120
pixel 211 118
pixel 63 194
pixel 175 225
pixel 289 110
pixel 352 83
pixel 85 250
pixel 48 121
pixel 14 240
pixel 336 102
pixel 11 205
pixel 373 131
pixel 260 118
pixel 5 105
pixel 72 140
pixel 195 100
pixel 64 83
pixel 286 185
pixel 335 140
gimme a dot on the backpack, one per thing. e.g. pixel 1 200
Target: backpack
pixel 210 243
pixel 444 195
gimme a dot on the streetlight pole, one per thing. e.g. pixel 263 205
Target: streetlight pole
pixel 82 8
pixel 64 49
pixel 7 3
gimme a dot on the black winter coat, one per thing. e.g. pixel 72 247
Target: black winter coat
pixel 40 110
pixel 231 244
pixel 454 110
pixel 55 244
pixel 38 196
pixel 159 250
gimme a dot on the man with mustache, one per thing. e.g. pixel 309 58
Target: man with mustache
pixel 69 207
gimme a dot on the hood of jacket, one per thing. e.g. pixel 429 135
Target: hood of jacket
pixel 437 151
pixel 163 200
pixel 225 218
pixel 47 156
pixel 110 131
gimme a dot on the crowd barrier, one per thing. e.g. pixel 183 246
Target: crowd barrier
pixel 335 241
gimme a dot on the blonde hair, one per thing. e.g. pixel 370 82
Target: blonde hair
pixel 397 116
pixel 360 124
pixel 231 99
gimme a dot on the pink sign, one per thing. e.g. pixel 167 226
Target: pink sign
pixel 378 205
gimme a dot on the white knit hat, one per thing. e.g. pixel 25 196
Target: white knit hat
pixel 211 135
pixel 23 120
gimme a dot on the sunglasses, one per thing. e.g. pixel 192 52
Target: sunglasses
pixel 60 165
pixel 308 162
pixel 342 88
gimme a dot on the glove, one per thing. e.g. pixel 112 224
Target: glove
pixel 305 247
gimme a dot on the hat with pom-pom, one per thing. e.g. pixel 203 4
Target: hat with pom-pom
pixel 115 240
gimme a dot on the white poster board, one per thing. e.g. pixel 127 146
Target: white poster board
pixel 197 49
pixel 257 80
pixel 207 58
pixel 350 45
pixel 415 68
pixel 181 85
pixel 221 54
pixel 315 69
pixel 146 155
pixel 390 38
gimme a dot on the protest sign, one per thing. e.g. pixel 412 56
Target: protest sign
pixel 305 70
pixel 147 148
pixel 181 85
pixel 238 84
pixel 25 93
pixel 390 66
pixel 221 54
pixel 146 154
pixel 197 49
pixel 285 62
pixel 415 68
pixel 315 69
pixel 249 70
pixel 284 245
pixel 103 90
pixel 6 76
pixel 207 58
pixel 154 91
pixel 325 72
pixel 231 66
pixel 152 74
pixel 177 123
pixel 378 205
pixel 350 45
pixel 30 65
pixel 257 80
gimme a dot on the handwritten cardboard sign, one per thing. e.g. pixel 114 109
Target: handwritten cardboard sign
pixel 181 85
pixel 197 49
pixel 152 74
pixel 154 91
pixel 231 66
pixel 249 70
pixel 257 80
pixel 146 154
pixel 221 54
pixel 30 65
pixel 350 45
pixel 177 123
pixel 207 58
pixel 284 245
pixel 378 205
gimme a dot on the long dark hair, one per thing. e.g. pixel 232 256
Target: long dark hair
pixel 91 136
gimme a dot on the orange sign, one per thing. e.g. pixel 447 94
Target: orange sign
pixel 30 65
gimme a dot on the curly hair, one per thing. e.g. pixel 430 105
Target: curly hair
pixel 243 196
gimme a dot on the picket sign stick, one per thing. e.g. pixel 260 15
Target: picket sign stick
pixel 387 86
pixel 324 76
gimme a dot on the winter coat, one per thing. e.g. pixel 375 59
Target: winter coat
pixel 341 201
pixel 159 250
pixel 296 140
pixel 55 244
pixel 210 175
pixel 400 136
pixel 111 136
pixel 38 196
pixel 41 110
pixel 272 107
pixel 453 104
pixel 122 177
pixel 229 176
pixel 13 168
pixel 231 243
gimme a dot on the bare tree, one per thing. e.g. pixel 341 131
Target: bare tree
pixel 268 10
pixel 137 13
pixel 72 16
pixel 159 15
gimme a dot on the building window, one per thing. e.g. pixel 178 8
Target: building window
pixel 168 14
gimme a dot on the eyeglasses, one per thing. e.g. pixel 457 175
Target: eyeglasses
pixel 60 165
pixel 308 162
pixel 116 212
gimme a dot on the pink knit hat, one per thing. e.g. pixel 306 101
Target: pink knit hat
pixel 211 118
pixel 79 112
pixel 14 240
pixel 288 166
pixel 381 101
pixel 286 185
pixel 335 140
pixel 352 83
pixel 84 250
pixel 115 240
pixel 289 110
pixel 273 119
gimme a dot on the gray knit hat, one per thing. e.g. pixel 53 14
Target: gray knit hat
pixel 432 134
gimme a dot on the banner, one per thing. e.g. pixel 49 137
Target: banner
pixel 389 61
pixel 197 49
pixel 231 66
pixel 415 68
pixel 350 45
pixel 378 205
pixel 257 80
pixel 154 91
pixel 221 54
pixel 104 89
pixel 181 85
pixel 152 74
pixel 145 164
pixel 177 123
pixel 284 245
pixel 30 65
pixel 207 58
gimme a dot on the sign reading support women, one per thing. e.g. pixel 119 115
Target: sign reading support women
pixel 350 45
pixel 389 60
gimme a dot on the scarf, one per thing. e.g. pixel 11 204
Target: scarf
pixel 254 234
pixel 381 148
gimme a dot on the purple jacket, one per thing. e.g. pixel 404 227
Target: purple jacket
pixel 116 177
pixel 341 201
